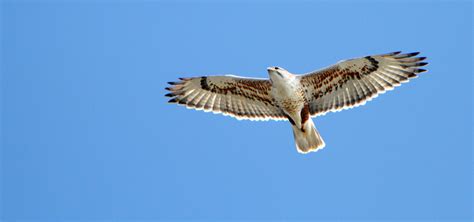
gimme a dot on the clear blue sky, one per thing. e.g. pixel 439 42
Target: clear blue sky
pixel 87 133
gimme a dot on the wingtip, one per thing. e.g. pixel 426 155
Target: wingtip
pixel 391 54
pixel 422 64
pixel 420 70
pixel 173 100
pixel 406 55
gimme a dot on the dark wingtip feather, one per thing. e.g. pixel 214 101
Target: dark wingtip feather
pixel 420 70
pixel 168 88
pixel 391 53
pixel 418 64
pixel 173 100
pixel 172 83
pixel 407 55
pixel 170 95
pixel 422 64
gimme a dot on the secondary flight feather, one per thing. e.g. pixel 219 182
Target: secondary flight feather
pixel 297 98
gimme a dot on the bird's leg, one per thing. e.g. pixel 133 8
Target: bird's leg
pixel 305 115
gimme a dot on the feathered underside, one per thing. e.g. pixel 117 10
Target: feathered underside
pixel 353 82
pixel 239 97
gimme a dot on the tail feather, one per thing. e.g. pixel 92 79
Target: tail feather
pixel 308 139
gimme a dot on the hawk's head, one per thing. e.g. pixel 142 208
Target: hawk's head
pixel 277 73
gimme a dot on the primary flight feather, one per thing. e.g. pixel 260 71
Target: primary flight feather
pixel 297 98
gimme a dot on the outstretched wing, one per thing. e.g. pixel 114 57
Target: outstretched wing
pixel 239 97
pixel 352 82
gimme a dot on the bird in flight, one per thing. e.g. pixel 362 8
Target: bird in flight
pixel 297 98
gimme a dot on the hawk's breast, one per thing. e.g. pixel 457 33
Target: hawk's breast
pixel 288 96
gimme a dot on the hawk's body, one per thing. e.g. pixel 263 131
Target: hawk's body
pixel 297 98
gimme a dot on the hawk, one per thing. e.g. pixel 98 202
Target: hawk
pixel 297 98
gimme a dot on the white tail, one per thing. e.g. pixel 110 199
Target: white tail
pixel 308 139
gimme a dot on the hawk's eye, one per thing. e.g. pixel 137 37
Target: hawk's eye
pixel 276 68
